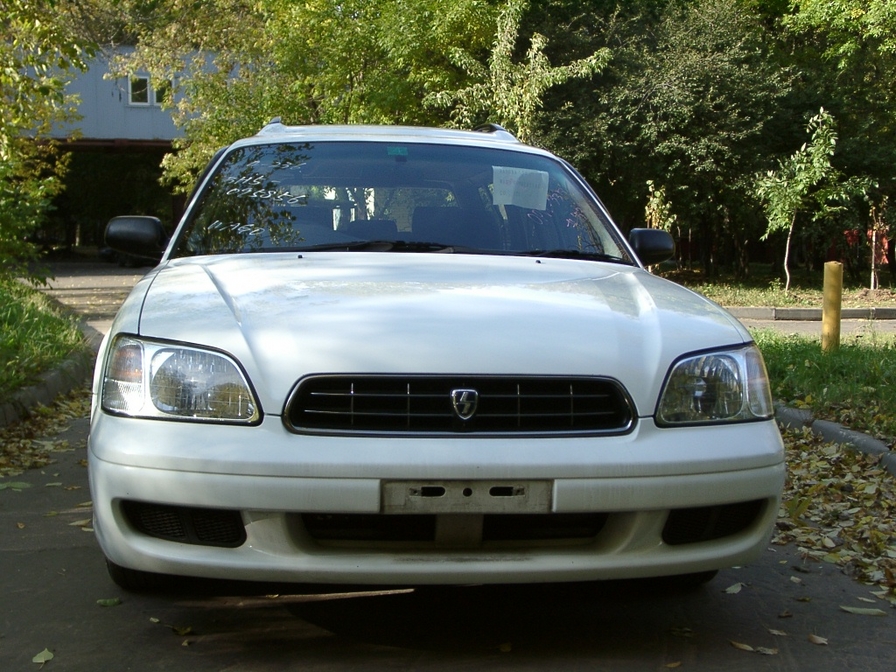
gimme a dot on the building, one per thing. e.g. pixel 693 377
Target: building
pixel 116 151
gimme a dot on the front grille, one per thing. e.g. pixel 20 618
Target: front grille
pixel 706 523
pixel 205 527
pixel 421 528
pixel 436 404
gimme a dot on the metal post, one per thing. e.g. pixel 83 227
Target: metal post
pixel 830 312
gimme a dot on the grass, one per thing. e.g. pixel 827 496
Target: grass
pixel 765 288
pixel 34 336
pixel 855 385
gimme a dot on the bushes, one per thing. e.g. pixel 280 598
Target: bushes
pixel 34 336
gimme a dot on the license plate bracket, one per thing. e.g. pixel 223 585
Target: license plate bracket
pixel 472 497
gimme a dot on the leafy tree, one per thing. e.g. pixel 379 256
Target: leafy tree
pixel 848 24
pixel 506 91
pixel 686 103
pixel 849 66
pixel 806 182
pixel 236 64
pixel 37 49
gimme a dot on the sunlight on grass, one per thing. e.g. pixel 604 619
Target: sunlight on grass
pixel 855 386
pixel 34 336
pixel 765 288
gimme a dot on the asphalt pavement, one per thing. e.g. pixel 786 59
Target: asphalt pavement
pixel 58 598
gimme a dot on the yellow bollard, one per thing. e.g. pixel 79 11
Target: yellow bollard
pixel 830 311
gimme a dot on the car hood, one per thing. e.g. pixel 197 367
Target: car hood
pixel 284 316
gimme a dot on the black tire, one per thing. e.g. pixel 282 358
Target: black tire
pixel 691 581
pixel 137 581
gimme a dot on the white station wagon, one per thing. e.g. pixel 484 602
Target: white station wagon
pixel 403 356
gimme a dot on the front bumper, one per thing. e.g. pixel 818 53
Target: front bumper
pixel 275 480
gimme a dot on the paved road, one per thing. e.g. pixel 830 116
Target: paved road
pixel 52 575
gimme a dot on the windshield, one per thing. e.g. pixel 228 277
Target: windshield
pixel 397 197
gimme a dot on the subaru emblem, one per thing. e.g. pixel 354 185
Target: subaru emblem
pixel 464 401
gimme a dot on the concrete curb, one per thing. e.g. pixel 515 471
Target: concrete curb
pixel 795 418
pixel 810 314
pixel 73 372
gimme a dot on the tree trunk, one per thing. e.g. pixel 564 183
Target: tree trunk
pixel 787 254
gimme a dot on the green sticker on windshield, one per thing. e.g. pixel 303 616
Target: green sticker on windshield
pixel 398 151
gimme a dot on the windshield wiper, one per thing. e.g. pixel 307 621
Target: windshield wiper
pixel 384 246
pixel 564 253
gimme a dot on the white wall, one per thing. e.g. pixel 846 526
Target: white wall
pixel 108 113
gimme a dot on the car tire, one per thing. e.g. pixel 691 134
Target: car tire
pixel 137 581
pixel 690 581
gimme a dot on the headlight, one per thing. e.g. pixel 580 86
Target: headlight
pixel 713 387
pixel 151 379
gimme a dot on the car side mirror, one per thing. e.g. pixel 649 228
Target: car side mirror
pixel 137 235
pixel 652 246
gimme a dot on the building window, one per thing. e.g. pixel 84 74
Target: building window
pixel 138 90
pixel 160 93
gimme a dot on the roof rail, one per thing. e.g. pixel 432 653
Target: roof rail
pixel 275 125
pixel 498 130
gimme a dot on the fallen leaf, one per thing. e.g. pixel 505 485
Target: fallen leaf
pixel 786 614
pixel 766 651
pixel 777 633
pixel 21 526
pixel 736 588
pixel 863 611
pixel 43 657
pixel 742 647
pixel 681 632
pixel 15 486
pixel 52 485
pixel 81 523
pixel 672 666
pixel 837 508
pixel 109 602
pixel 821 641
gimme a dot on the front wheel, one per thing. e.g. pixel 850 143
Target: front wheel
pixel 137 581
pixel 690 581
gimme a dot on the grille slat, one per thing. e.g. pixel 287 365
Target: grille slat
pixel 205 527
pixel 423 405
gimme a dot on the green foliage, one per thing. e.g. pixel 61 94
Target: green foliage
pixel 685 102
pixel 845 52
pixel 855 386
pixel 507 91
pixel 33 335
pixel 848 24
pixel 37 49
pixel 236 64
pixel 658 211
pixel 806 182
